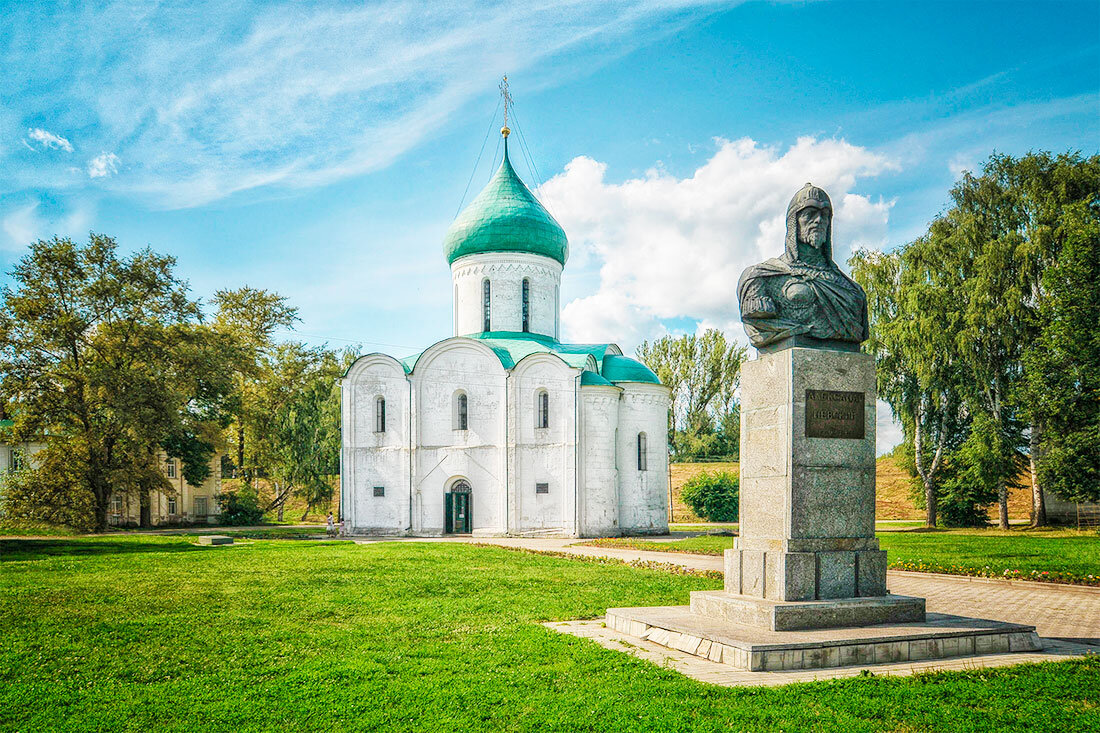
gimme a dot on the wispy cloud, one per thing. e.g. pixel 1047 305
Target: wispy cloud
pixel 207 99
pixel 31 220
pixel 49 140
pixel 103 165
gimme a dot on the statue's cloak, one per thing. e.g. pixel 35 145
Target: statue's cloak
pixel 840 312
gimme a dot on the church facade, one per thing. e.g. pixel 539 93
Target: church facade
pixel 502 429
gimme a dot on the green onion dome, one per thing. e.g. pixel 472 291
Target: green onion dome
pixel 505 217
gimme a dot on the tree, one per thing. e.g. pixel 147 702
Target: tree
pixel 912 313
pixel 297 435
pixel 703 373
pixel 1062 366
pixel 105 359
pixel 985 333
pixel 1011 226
pixel 1055 209
pixel 250 317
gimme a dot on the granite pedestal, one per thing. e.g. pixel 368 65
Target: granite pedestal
pixel 805 585
pixel 807 509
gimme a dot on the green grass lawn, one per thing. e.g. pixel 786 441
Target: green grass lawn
pixel 1064 555
pixel 28 528
pixel 155 633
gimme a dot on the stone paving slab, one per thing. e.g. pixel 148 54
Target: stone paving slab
pixel 718 673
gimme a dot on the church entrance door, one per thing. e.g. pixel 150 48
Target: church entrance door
pixel 457 518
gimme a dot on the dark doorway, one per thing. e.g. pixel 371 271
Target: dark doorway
pixel 457 517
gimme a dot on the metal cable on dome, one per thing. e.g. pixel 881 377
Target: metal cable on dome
pixel 530 158
pixel 480 153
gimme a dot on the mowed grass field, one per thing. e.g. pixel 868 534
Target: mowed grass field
pixel 155 633
pixel 1070 555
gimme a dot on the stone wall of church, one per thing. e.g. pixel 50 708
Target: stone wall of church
pixel 643 491
pixel 542 467
pixel 598 480
pixel 579 475
pixel 506 272
pixel 445 453
pixel 375 462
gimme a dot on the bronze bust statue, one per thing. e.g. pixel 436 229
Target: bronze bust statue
pixel 801 298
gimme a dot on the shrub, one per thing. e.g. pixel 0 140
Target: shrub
pixel 712 496
pixel 241 508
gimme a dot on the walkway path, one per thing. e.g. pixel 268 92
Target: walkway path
pixel 1056 611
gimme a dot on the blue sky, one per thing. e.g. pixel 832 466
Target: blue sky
pixel 322 149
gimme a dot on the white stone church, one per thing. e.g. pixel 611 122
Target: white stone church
pixel 502 429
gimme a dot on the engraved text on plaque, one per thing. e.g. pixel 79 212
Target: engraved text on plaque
pixel 834 414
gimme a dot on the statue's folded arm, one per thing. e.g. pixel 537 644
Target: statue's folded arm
pixel 755 302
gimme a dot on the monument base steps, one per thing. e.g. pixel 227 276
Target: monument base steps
pixel 799 615
pixel 758 649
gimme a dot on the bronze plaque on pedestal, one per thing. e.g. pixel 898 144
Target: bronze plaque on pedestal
pixel 834 414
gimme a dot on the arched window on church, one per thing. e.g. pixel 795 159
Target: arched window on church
pixel 526 295
pixel 379 414
pixel 641 452
pixel 485 295
pixel 542 409
pixel 461 411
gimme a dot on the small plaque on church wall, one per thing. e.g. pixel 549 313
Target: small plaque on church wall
pixel 834 414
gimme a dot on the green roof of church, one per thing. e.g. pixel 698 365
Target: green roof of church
pixel 505 217
pixel 512 346
pixel 591 378
pixel 624 369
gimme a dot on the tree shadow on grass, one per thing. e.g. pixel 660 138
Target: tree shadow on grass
pixel 15 550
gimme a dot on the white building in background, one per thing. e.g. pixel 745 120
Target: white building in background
pixel 503 429
pixel 183 503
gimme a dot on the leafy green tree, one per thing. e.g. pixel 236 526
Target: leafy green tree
pixel 912 313
pixel 1055 212
pixel 1062 365
pixel 105 359
pixel 985 333
pixel 298 423
pixel 250 317
pixel 703 373
pixel 1010 226
pixel 241 508
pixel 977 245
pixel 973 475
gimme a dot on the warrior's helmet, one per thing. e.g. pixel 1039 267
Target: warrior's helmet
pixel 808 196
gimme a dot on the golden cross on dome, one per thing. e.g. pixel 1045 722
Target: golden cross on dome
pixel 507 103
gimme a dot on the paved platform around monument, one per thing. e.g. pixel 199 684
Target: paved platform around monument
pixel 758 649
pixel 719 673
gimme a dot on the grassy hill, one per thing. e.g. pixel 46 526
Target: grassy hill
pixel 892 499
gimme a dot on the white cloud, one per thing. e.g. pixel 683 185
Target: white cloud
pixel 888 430
pixel 20 226
pixel 211 98
pixel 103 165
pixel 49 140
pixel 31 221
pixel 672 248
